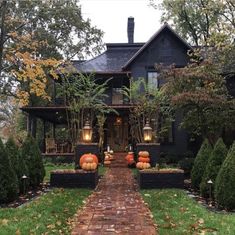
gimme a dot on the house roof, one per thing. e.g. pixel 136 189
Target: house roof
pixel 112 60
pixel 165 26
pixel 119 56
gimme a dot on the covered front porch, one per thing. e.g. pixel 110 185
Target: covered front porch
pixel 52 124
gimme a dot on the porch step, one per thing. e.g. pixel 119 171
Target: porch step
pixel 119 161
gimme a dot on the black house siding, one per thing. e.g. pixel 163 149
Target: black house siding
pixel 166 49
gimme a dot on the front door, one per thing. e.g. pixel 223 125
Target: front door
pixel 117 133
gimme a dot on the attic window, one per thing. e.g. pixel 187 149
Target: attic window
pixel 152 77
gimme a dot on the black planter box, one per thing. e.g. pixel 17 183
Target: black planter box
pixel 79 179
pixel 147 180
pixel 83 148
pixel 152 148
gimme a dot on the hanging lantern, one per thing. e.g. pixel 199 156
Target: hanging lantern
pixel 148 132
pixel 87 132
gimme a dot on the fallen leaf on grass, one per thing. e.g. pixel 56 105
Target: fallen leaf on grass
pixel 4 221
pixel 51 226
pixel 18 232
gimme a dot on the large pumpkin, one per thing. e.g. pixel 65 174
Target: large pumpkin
pixel 89 156
pixel 144 159
pixel 143 154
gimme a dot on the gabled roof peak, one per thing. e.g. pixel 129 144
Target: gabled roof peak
pixel 164 26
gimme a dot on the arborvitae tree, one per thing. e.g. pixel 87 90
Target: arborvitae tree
pixel 215 161
pixel 200 163
pixel 8 178
pixel 32 155
pixel 13 154
pixel 225 182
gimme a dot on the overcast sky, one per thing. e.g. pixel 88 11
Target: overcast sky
pixel 111 17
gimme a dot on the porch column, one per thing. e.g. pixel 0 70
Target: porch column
pixel 44 136
pixel 53 130
pixel 29 119
pixel 34 127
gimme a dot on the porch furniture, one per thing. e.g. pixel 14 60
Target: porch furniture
pixel 51 145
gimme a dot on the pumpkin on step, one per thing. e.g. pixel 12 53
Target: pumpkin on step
pixel 142 165
pixel 87 166
pixel 143 154
pixel 144 159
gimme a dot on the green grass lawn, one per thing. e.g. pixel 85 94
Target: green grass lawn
pixel 49 214
pixel 175 213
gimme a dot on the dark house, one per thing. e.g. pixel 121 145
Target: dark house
pixel 121 61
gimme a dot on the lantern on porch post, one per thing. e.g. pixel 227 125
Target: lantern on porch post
pixel 148 132
pixel 87 132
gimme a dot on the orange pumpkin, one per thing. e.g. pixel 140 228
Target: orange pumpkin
pixel 144 159
pixel 129 156
pixel 143 165
pixel 143 154
pixel 131 161
pixel 89 155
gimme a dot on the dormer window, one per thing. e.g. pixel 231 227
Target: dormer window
pixel 152 77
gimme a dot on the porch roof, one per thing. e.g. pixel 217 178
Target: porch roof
pixel 57 114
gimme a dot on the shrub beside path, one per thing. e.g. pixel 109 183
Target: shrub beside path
pixel 116 206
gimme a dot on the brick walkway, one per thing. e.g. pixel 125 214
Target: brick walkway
pixel 115 207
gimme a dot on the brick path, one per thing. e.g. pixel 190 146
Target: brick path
pixel 115 207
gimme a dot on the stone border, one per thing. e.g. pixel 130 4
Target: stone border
pixel 148 180
pixel 80 179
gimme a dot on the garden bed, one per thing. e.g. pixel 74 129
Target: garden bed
pixel 160 179
pixel 74 179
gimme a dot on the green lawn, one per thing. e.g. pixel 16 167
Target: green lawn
pixel 49 214
pixel 175 213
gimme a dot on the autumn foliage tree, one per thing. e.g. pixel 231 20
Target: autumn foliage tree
pixel 36 36
pixel 200 92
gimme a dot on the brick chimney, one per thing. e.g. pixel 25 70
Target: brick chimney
pixel 130 29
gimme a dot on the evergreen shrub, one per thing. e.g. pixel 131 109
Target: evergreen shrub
pixel 214 163
pixel 32 156
pixel 200 163
pixel 8 178
pixel 225 182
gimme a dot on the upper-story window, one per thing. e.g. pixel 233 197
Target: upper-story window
pixel 152 77
pixel 117 96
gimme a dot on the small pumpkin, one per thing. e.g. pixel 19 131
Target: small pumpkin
pixel 143 154
pixel 144 159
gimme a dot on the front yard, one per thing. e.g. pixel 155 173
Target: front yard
pixel 175 213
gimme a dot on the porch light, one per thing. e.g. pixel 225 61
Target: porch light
pixel 87 132
pixel 148 132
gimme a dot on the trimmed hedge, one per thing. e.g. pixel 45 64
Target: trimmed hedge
pixel 225 182
pixel 200 163
pixel 31 154
pixel 8 178
pixel 13 154
pixel 213 166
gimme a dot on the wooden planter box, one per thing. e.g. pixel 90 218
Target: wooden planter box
pixel 78 179
pixel 148 180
